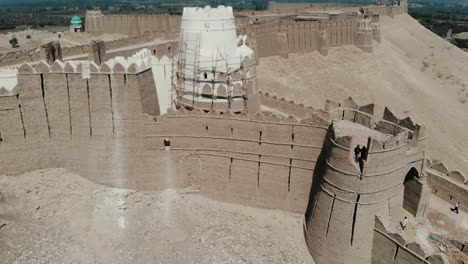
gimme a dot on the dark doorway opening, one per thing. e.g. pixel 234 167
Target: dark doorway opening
pixel 412 193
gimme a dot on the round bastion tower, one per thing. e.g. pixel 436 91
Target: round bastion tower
pixel 215 68
pixel 365 35
pixel 339 223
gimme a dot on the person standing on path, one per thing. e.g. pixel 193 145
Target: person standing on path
pixel 404 223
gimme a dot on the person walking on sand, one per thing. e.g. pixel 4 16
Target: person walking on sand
pixel 404 223
pixel 455 208
pixel 357 151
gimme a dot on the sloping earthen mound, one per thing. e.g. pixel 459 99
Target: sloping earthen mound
pixel 54 216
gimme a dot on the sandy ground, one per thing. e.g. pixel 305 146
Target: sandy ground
pixel 440 222
pixel 412 71
pixel 53 216
pixel 39 37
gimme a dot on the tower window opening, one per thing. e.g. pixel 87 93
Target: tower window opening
pixel 205 74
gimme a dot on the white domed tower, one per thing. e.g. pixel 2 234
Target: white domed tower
pixel 216 70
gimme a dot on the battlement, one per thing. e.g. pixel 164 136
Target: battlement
pixel 119 65
pixel 220 12
pixel 447 184
pixel 261 117
pixel 389 246
pixel 364 115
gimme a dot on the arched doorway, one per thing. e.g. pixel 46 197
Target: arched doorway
pixel 412 193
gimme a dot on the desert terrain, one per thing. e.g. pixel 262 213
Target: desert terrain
pixel 54 216
pixel 412 71
pixel 32 39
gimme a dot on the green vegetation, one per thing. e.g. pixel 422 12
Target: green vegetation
pixel 441 17
pixel 40 13
pixel 14 42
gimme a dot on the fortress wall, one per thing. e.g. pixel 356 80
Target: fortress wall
pixel 165 49
pixel 100 106
pixel 31 96
pixel 384 10
pixel 75 50
pixel 449 190
pixel 387 250
pixel 341 32
pixel 25 117
pixel 79 106
pixel 309 6
pixel 300 36
pixel 135 25
pixel 11 124
pixel 58 105
pixel 290 108
pixel 267 165
pixel 60 119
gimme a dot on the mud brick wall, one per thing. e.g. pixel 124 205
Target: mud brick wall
pixel 281 38
pixel 93 126
pixel 256 160
pixel 450 186
pixel 135 25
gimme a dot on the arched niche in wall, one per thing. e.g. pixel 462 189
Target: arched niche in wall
pixel 237 90
pixel 207 91
pixel 412 192
pixel 221 92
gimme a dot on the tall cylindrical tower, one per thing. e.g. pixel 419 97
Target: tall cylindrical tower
pixel 344 203
pixel 323 38
pixel 364 35
pixel 215 66
pixel 376 27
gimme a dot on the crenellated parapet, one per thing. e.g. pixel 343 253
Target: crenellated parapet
pixel 389 246
pixel 448 184
pixel 388 123
pixel 285 106
pixel 351 192
pixel 119 65
pixel 82 99
pixel 441 169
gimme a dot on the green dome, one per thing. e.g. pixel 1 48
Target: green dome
pixel 76 20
